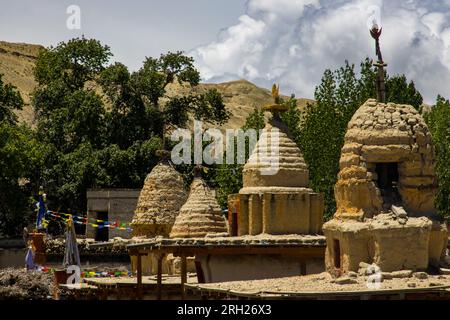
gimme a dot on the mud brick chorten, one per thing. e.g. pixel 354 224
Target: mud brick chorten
pixel 159 202
pixel 385 194
pixel 200 215
pixel 385 191
pixel 275 198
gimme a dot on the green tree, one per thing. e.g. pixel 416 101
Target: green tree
pixel 398 90
pixel 71 118
pixel 320 139
pixel 73 63
pixel 10 100
pixel 103 124
pixel 142 96
pixel 438 121
pixel 67 107
pixel 20 155
pixel 20 160
pixel 130 118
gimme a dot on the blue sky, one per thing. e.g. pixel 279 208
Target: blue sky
pixel 133 29
pixel 290 42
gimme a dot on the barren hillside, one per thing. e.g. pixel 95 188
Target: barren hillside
pixel 16 65
pixel 241 97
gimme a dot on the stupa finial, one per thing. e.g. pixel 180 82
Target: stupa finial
pixel 164 155
pixel 276 93
pixel 276 107
pixel 198 170
pixel 375 32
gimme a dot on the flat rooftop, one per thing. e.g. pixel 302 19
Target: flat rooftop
pixel 263 240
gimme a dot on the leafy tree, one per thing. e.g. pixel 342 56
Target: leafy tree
pixel 130 119
pixel 102 123
pixel 71 118
pixel 143 95
pixel 398 90
pixel 20 158
pixel 292 118
pixel 438 121
pixel 10 100
pixel 81 117
pixel 73 63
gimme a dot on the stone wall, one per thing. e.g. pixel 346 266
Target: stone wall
pixel 224 268
pixel 120 205
pixel 12 257
pixel 390 243
pixel 277 213
pixel 170 265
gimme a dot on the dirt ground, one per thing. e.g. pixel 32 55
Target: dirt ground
pixel 323 282
pixel 18 284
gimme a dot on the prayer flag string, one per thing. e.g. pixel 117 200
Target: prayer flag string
pixel 100 224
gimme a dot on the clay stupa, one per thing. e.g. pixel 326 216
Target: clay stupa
pixel 275 198
pixel 275 150
pixel 201 214
pixel 385 190
pixel 160 200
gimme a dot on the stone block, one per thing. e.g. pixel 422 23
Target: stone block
pixel 386 153
pixel 402 274
pixel 420 275
pixel 345 280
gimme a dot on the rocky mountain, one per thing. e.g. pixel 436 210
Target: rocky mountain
pixel 240 97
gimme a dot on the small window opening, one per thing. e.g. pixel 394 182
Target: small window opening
pixel 101 232
pixel 388 183
pixel 337 254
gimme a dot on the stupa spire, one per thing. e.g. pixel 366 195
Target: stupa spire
pixel 163 155
pixel 375 32
pixel 276 108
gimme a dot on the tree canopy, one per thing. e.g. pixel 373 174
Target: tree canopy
pixel 438 121
pixel 102 123
pixel 10 100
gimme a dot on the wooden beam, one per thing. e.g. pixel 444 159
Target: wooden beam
pixel 199 271
pixel 159 277
pixel 305 252
pixel 139 276
pixel 183 275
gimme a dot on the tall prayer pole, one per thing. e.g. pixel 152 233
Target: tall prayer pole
pixel 375 32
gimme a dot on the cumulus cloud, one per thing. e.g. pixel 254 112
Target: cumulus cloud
pixel 292 42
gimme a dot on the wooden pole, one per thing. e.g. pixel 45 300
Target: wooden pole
pixel 159 277
pixel 139 275
pixel 303 268
pixel 183 275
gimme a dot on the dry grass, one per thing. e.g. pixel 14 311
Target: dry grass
pixel 16 64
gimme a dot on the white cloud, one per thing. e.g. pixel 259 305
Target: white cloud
pixel 292 42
